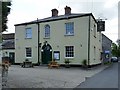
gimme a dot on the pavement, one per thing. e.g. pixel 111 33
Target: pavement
pixel 42 77
pixel 0 77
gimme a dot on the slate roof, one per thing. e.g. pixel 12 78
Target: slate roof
pixel 8 36
pixel 60 17
pixel 8 41
pixel 8 44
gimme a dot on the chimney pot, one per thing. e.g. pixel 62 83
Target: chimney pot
pixel 67 10
pixel 54 12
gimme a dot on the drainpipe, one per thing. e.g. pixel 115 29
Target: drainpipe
pixel 89 42
pixel 38 42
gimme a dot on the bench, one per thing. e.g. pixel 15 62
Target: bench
pixel 53 64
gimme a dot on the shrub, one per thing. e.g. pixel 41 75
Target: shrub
pixel 84 62
pixel 67 61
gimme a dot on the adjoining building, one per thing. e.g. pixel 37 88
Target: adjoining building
pixel 60 37
pixel 8 47
pixel 106 48
pixel 118 23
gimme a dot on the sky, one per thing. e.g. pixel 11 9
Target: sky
pixel 29 10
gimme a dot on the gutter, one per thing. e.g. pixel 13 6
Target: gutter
pixel 38 42
pixel 89 42
pixel 55 19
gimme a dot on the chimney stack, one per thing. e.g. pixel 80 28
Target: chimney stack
pixel 67 10
pixel 54 12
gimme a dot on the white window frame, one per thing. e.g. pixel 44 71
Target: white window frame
pixel 69 28
pixel 29 52
pixel 69 52
pixel 47 31
pixel 28 33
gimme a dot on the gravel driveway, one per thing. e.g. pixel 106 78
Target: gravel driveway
pixel 42 77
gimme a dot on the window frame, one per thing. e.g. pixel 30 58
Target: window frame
pixel 28 34
pixel 72 52
pixel 28 54
pixel 47 31
pixel 69 28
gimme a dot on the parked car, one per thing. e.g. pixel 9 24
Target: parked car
pixel 114 59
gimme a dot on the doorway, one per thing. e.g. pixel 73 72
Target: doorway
pixel 46 54
pixel 12 57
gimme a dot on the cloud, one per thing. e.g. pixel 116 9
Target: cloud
pixel 29 10
pixel 111 29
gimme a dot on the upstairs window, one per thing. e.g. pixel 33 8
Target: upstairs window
pixel 28 52
pixel 47 31
pixel 69 28
pixel 28 33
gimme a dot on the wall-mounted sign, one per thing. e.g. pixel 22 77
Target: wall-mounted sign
pixel 56 55
pixel 107 51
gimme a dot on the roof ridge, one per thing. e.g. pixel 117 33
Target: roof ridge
pixel 72 15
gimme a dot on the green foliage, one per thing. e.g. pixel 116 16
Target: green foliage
pixel 115 50
pixel 0 38
pixel 67 61
pixel 84 62
pixel 107 63
pixel 26 60
pixel 5 11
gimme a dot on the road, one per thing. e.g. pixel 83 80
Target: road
pixel 108 78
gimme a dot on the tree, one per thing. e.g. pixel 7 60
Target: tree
pixel 5 11
pixel 115 50
pixel 118 41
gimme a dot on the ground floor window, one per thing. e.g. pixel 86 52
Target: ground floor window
pixel 28 52
pixel 69 51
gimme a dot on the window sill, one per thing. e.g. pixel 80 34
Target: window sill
pixel 69 57
pixel 28 57
pixel 69 35
pixel 28 38
pixel 46 38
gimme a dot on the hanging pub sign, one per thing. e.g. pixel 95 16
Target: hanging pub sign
pixel 100 26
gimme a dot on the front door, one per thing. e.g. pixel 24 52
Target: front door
pixel 46 54
pixel 12 57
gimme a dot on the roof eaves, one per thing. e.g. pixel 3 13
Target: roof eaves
pixel 56 18
pixel 107 37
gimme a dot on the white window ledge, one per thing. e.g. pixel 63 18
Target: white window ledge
pixel 69 35
pixel 69 57
pixel 46 38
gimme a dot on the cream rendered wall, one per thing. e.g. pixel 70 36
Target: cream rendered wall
pixel 21 43
pixel 58 40
pixel 95 42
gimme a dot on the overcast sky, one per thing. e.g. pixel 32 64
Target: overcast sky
pixel 29 10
